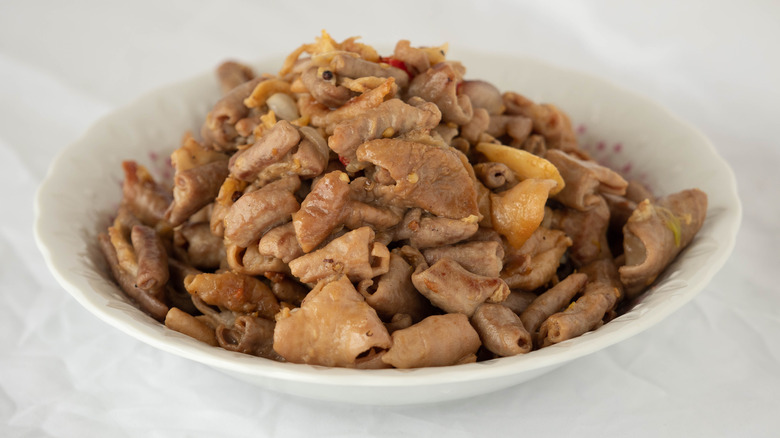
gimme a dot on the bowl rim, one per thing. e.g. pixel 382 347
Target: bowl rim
pixel 46 237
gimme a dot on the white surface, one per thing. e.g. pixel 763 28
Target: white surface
pixel 81 192
pixel 711 369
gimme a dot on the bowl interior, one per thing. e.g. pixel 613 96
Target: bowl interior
pixel 629 133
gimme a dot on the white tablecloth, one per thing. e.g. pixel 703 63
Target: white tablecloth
pixel 711 369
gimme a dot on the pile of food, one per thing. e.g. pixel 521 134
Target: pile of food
pixel 363 211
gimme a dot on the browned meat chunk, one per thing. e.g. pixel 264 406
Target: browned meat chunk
pixel 152 259
pixel 657 232
pixel 548 120
pixel 393 292
pixel 333 326
pixel 231 74
pixel 390 118
pixel 257 212
pixel 501 330
pixel 194 189
pixel 236 292
pixel 426 231
pixel 355 254
pixel 439 85
pixel 356 67
pixel 552 301
pixel 415 59
pixel 481 258
pixel 249 261
pixel 145 300
pixel 280 242
pixel 436 341
pixel 584 315
pixel 585 180
pixel 268 149
pixel 483 95
pixel 195 245
pixel 219 129
pixel 518 128
pixel 424 177
pixel 322 210
pixel 453 289
pixel 535 263
pixel 587 230
pixel 249 335
pixel 141 194
pixel 325 91
pixel 495 176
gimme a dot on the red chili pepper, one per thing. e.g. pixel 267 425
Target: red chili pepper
pixel 344 160
pixel 397 63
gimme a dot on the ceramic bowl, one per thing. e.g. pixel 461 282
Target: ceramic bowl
pixel 628 132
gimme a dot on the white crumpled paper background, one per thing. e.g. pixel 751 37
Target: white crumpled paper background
pixel 711 369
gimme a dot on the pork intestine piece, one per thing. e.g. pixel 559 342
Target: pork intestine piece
pixel 438 340
pixel 334 308
pixel 656 232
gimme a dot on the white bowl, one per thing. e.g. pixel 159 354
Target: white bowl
pixel 635 135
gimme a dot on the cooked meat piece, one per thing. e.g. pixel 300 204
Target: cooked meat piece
pixel 145 300
pixel 357 214
pixel 584 315
pixel 321 116
pixel 268 149
pixel 585 180
pixel 194 189
pixel 535 144
pixel 219 130
pixel 189 325
pixel 142 196
pixel 496 176
pixel 325 91
pixel 604 271
pixel 194 244
pixel 535 263
pixel 518 128
pixel 415 59
pixel 638 192
pixel 552 301
pixel 257 212
pixel 587 230
pixel 501 330
pixel 398 322
pixel 483 95
pixel 428 177
pixel 152 259
pixel 355 254
pixel 249 261
pixel 280 242
pixel 249 335
pixel 390 118
pixel 439 84
pixel 287 290
pixel 548 121
pixel 232 74
pixel 393 292
pixel 481 258
pixel 322 210
pixel 236 292
pixel 453 289
pixel 356 67
pixel 438 340
pixel 519 300
pixel 472 130
pixel 656 233
pixel 312 156
pixel 334 308
pixel 176 295
pixel 426 231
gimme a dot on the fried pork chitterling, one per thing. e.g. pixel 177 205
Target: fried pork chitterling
pixel 367 211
